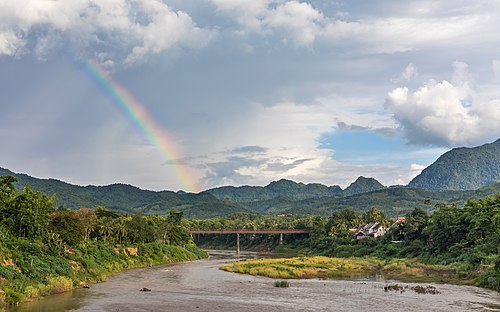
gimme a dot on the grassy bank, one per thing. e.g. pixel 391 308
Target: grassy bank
pixel 30 269
pixel 326 267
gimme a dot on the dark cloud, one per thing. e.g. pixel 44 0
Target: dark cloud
pixel 248 150
pixel 279 166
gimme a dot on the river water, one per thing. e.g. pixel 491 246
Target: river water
pixel 201 286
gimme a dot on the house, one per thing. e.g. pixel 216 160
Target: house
pixel 400 220
pixel 373 229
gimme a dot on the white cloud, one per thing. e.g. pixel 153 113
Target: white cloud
pixel 10 44
pixel 125 30
pixel 299 21
pixel 445 113
pixel 247 13
pixel 298 18
pixel 410 72
pixel 288 135
pixel 496 69
pixel 401 34
pixel 303 23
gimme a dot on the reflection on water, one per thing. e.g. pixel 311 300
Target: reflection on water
pixel 201 286
pixel 57 303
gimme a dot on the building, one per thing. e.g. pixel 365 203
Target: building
pixel 373 229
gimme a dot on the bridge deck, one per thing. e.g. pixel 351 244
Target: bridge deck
pixel 248 231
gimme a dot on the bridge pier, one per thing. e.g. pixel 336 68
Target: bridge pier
pixel 238 244
pixel 281 232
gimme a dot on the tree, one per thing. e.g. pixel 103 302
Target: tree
pixel 447 228
pixel 88 219
pixel 374 215
pixel 340 223
pixel 139 231
pixel 68 226
pixel 413 226
pixel 176 233
pixel 483 218
pixel 29 214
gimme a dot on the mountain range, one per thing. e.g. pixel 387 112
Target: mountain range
pixel 458 175
pixel 462 169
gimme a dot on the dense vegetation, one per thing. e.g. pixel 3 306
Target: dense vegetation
pixel 462 169
pixel 281 197
pixel 44 250
pixel 124 198
pixel 276 189
pixel 465 239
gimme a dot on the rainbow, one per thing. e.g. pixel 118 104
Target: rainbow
pixel 137 113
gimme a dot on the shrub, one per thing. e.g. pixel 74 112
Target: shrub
pixel 13 297
pixel 31 292
pixel 60 284
pixel 282 284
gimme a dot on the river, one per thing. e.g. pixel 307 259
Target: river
pixel 201 286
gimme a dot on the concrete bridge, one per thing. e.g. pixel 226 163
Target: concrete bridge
pixel 249 231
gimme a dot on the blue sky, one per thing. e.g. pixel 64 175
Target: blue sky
pixel 249 91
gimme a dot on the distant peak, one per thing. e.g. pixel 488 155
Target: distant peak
pixel 363 185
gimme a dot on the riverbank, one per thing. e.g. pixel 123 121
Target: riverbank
pixel 405 270
pixel 30 270
pixel 196 286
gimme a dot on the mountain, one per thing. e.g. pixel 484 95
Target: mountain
pixel 282 188
pixel 279 197
pixel 127 198
pixel 363 185
pixel 393 201
pixel 462 169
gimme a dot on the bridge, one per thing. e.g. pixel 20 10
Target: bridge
pixel 249 231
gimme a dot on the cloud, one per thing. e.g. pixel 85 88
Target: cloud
pixel 113 30
pixel 445 113
pixel 496 69
pixel 248 150
pixel 427 26
pixel 410 72
pixel 298 21
pixel 282 140
pixel 10 44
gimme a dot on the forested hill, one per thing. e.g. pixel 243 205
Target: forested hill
pixel 280 197
pixel 282 188
pixel 290 190
pixel 127 198
pixel 462 169
pixel 363 185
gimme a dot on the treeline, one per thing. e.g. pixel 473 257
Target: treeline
pixel 46 250
pixel 31 215
pixel 466 238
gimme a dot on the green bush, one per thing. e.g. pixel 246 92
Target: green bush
pixel 9 273
pixel 13 297
pixel 490 278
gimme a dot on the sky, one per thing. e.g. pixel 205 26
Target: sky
pixel 190 95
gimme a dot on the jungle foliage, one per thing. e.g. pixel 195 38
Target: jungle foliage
pixel 465 239
pixel 44 250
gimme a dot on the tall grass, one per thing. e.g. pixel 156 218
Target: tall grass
pixel 325 267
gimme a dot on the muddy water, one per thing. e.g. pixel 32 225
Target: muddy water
pixel 201 286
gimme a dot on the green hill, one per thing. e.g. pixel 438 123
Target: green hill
pixel 394 201
pixel 127 198
pixel 275 189
pixel 462 169
pixel 363 185
pixel 279 197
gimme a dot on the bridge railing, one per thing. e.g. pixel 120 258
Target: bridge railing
pixel 248 231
